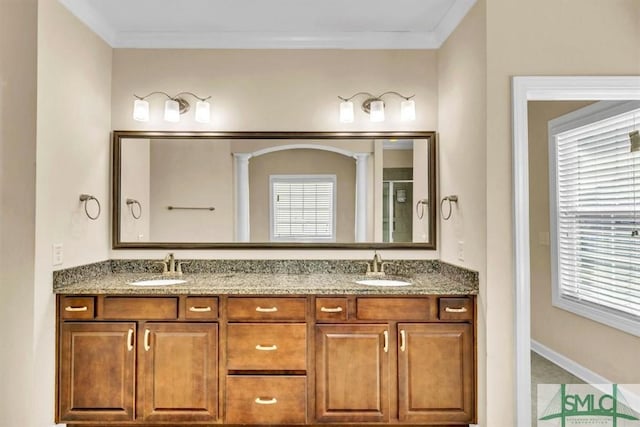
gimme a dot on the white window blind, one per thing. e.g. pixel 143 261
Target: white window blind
pixel 597 197
pixel 303 207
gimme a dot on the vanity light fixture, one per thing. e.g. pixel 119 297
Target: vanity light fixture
pixel 174 106
pixel 374 106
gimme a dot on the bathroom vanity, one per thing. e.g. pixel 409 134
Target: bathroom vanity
pixel 325 351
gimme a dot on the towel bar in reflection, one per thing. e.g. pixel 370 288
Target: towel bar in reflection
pixel 191 208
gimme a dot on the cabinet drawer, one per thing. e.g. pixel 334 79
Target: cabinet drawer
pixel 261 347
pixel 165 308
pixel 456 308
pixel 266 400
pixel 240 308
pixel 394 309
pixel 77 307
pixel 205 308
pixel 331 309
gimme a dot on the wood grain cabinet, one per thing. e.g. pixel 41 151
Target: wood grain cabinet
pixel 352 373
pixel 287 360
pixel 435 373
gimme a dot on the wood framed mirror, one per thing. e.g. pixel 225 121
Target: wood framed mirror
pixel 206 190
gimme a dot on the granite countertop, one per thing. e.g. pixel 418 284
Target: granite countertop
pixel 267 283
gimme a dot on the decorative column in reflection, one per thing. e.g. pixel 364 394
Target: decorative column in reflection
pixel 242 196
pixel 362 161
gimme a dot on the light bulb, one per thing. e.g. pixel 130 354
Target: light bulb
pixel 171 111
pixel 346 112
pixel 407 110
pixel 376 111
pixel 140 110
pixel 203 112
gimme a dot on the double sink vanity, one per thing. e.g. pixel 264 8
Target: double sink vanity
pixel 287 343
pixel 268 342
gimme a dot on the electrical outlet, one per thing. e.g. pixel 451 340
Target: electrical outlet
pixel 58 254
pixel 460 250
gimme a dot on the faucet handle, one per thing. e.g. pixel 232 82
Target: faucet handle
pixel 165 266
pixel 179 269
pixel 368 267
pixel 383 264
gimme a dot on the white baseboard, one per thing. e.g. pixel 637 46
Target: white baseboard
pixel 585 374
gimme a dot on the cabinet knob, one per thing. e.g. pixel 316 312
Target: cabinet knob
pixel 262 401
pixel 200 309
pixel 403 340
pixel 331 309
pixel 455 310
pixel 386 341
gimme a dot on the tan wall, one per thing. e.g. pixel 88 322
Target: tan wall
pixel 462 101
pixel 135 173
pixel 191 173
pixel 591 344
pixel 397 159
pixel 535 37
pixel 311 162
pixel 276 90
pixel 73 157
pixel 18 43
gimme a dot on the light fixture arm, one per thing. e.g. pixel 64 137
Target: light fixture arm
pixel 372 96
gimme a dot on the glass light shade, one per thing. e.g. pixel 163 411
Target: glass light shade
pixel 376 111
pixel 171 111
pixel 140 110
pixel 346 112
pixel 203 112
pixel 407 110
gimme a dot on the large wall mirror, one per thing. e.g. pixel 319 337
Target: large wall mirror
pixel 274 189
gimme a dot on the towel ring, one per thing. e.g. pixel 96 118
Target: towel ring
pixel 450 199
pixel 130 203
pixel 420 204
pixel 86 198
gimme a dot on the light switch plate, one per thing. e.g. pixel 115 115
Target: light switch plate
pixel 58 254
pixel 460 250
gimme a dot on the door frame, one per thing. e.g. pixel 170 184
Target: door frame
pixel 542 88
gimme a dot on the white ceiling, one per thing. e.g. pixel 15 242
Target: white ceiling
pixel 272 24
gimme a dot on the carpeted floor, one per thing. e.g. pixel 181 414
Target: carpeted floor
pixel 545 372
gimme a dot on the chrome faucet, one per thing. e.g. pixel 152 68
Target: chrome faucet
pixel 171 267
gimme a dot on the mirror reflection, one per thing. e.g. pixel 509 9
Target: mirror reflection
pixel 296 190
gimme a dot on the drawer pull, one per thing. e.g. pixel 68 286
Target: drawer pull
pixel 71 308
pixel 266 309
pixel 147 334
pixel 266 347
pixel 331 309
pixel 200 309
pixel 130 340
pixel 403 340
pixel 455 310
pixel 386 341
pixel 261 401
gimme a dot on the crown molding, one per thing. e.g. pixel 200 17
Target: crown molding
pixel 270 40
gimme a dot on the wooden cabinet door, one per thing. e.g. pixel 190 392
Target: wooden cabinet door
pixel 352 373
pixel 435 373
pixel 178 371
pixel 97 371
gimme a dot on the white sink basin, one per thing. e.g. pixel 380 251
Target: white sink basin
pixel 382 282
pixel 158 282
